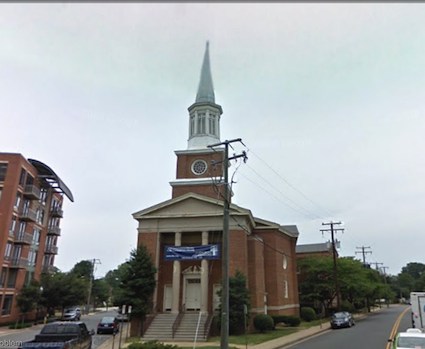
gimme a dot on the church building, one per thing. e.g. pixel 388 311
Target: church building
pixel 184 233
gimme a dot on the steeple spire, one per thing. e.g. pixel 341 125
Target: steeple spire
pixel 204 114
pixel 205 88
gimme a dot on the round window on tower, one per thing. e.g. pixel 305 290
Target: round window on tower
pixel 199 167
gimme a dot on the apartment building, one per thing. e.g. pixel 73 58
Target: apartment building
pixel 31 197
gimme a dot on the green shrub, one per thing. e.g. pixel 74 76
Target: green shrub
pixel 263 322
pixel 151 345
pixel 20 325
pixel 289 320
pixel 293 321
pixel 308 314
pixel 347 306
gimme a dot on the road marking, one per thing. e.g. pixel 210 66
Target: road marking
pixel 394 330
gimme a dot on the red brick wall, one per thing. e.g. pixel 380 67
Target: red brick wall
pixel 256 282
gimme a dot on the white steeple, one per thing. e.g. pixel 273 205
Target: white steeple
pixel 204 114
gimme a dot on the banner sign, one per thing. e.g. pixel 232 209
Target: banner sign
pixel 173 253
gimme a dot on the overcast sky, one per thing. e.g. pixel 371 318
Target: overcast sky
pixel 329 100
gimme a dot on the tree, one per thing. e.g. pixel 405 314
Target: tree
pixel 28 298
pixel 100 292
pixel 138 283
pixel 114 279
pixel 63 290
pixel 238 299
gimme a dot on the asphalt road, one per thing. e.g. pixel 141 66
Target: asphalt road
pixel 11 338
pixel 371 332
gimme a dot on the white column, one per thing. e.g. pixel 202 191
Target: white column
pixel 176 277
pixel 204 277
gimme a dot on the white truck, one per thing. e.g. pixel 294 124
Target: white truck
pixel 417 301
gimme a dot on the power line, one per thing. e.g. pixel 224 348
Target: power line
pixel 327 212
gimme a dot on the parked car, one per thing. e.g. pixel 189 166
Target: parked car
pixel 72 314
pixel 61 335
pixel 412 338
pixel 108 324
pixel 342 319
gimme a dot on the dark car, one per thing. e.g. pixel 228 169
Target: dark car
pixel 72 314
pixel 342 319
pixel 108 324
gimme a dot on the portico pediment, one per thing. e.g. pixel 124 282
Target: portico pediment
pixel 188 210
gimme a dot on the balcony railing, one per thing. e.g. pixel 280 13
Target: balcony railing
pixel 28 215
pixel 56 212
pixel 54 231
pixel 23 238
pixel 18 262
pixel 51 249
pixel 48 268
pixel 32 192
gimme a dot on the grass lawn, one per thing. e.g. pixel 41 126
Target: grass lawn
pixel 257 338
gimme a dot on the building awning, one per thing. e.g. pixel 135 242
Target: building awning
pixel 46 173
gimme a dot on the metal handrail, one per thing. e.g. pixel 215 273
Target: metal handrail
pixel 176 323
pixel 208 325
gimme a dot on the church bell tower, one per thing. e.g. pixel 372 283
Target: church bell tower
pixel 199 168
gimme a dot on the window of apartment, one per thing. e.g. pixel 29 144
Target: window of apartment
pixel 3 276
pixel 8 251
pixel 22 177
pixel 3 170
pixel 43 196
pixel 16 252
pixel 18 200
pixel 7 304
pixel 26 205
pixel 201 123
pixel 36 236
pixel 1 190
pixel 12 227
pixel 22 227
pixel 30 179
pixel 40 215
pixel 32 258
pixel 11 278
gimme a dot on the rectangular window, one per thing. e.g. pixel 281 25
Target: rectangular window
pixel 192 125
pixel 3 276
pixel 12 227
pixel 30 179
pixel 18 200
pixel 3 171
pixel 11 278
pixel 212 125
pixel 201 123
pixel 285 289
pixel 36 236
pixel 32 258
pixel 22 177
pixel 1 190
pixel 43 196
pixel 7 304
pixel 8 251
pixel 22 227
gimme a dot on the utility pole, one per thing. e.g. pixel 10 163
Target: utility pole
pixel 224 343
pixel 364 252
pixel 94 261
pixel 377 265
pixel 333 231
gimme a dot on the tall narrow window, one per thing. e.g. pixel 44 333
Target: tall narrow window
pixel 18 200
pixel 201 123
pixel 3 170
pixel 285 289
pixel 212 124
pixel 43 196
pixel 22 177
pixel 7 304
pixel 192 125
